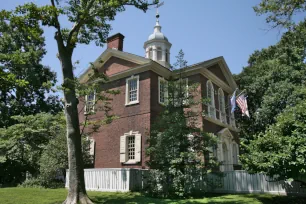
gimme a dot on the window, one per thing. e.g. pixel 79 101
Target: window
pixel 132 90
pixel 159 53
pixel 235 152
pixel 222 106
pixel 231 115
pixel 130 148
pixel 91 146
pixel 162 90
pixel 211 98
pixel 181 86
pixel 90 103
pixel 150 53
pixel 167 55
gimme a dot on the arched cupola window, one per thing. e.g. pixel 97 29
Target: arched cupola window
pixel 221 105
pixel 167 55
pixel 150 53
pixel 211 98
pixel 159 53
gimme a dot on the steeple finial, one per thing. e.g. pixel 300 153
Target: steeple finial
pixel 157 14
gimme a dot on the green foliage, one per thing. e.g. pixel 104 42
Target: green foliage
pixel 24 81
pixel 273 80
pixel 177 145
pixel 281 149
pixel 37 145
pixel 275 83
pixel 280 12
pixel 24 142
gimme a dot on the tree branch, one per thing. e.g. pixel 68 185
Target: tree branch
pixel 76 27
pixel 58 34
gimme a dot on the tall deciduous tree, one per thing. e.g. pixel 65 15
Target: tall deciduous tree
pixel 24 80
pixel 90 19
pixel 280 12
pixel 275 83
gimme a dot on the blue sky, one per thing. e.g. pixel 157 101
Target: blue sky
pixel 204 29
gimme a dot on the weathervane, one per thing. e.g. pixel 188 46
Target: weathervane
pixel 157 6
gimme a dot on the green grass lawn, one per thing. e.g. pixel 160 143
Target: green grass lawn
pixel 50 196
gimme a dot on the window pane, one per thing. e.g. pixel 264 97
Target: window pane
pixel 162 91
pixel 90 102
pixel 132 90
pixel 131 147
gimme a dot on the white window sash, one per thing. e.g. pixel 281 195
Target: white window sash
pixel 92 102
pixel 124 148
pixel 165 93
pixel 211 109
pixel 127 90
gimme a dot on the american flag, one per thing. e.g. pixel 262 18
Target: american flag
pixel 243 105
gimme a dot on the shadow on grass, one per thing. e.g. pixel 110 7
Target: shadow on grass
pixel 141 199
pixel 277 199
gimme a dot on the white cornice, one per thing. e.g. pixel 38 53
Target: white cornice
pixel 106 55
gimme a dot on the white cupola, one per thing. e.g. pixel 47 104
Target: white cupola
pixel 158 47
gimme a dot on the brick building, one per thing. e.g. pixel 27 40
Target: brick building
pixel 121 144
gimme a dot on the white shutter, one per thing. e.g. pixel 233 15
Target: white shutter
pixel 137 148
pixel 123 149
pixel 92 147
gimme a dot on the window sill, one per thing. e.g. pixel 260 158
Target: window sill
pixel 132 103
pixel 131 162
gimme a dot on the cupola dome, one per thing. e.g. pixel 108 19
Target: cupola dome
pixel 158 46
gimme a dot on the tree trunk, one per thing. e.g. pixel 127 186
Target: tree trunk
pixel 76 192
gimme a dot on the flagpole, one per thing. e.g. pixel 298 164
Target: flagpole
pixel 241 93
pixel 236 96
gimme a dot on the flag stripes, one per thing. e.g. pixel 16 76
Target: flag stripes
pixel 242 103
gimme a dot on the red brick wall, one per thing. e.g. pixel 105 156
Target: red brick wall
pixel 115 65
pixel 138 117
pixel 134 117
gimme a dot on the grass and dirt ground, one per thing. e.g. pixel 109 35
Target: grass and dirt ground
pixel 54 196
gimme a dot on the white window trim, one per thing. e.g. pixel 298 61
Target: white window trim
pixel 222 112
pixel 127 90
pixel 161 79
pixel 211 103
pixel 93 107
pixel 124 150
pixel 235 157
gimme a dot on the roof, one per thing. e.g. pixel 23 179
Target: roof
pixel 142 61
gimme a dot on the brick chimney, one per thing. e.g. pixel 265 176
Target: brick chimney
pixel 115 41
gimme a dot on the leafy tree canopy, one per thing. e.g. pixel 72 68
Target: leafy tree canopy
pixel 24 81
pixel 280 12
pixel 275 82
pixel 280 150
